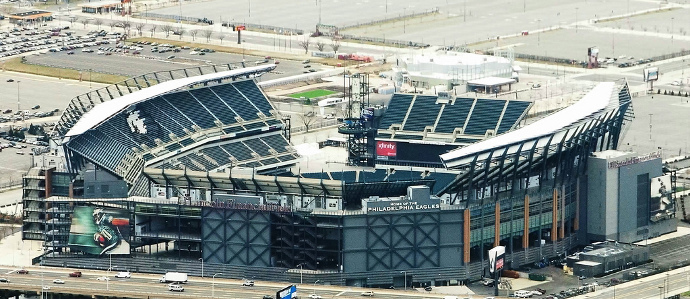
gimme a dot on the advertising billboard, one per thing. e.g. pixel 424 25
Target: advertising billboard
pixel 496 257
pixel 650 74
pixel 99 231
pixel 287 293
pixel 386 150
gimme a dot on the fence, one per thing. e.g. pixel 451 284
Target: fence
pixel 575 61
pixel 276 29
pixel 374 22
pixel 314 126
pixel 175 17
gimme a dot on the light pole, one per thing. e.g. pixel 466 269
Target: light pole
pixel 405 275
pixel 300 273
pixel 320 1
pixel 107 280
pixel 539 32
pixel 661 290
pixel 202 267
pixel 213 285
pixel 404 19
pixel 650 126
pixel 576 8
pixel 315 286
pixel 672 19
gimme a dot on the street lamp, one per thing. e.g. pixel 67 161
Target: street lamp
pixel 539 32
pixel 661 290
pixel 213 285
pixel 315 286
pixel 404 19
pixel 300 273
pixel 405 275
pixel 672 30
pixel 202 267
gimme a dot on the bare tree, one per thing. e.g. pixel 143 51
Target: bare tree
pixel 153 29
pixel 181 32
pixel 320 45
pixel 112 24
pixel 307 118
pixel 221 37
pixel 305 45
pixel 193 33
pixel 85 22
pixel 98 22
pixel 335 45
pixel 167 28
pixel 208 33
pixel 125 26
pixel 139 27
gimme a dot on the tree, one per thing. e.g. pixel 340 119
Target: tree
pixel 305 45
pixel 307 119
pixel 112 24
pixel 181 32
pixel 153 29
pixel 98 22
pixel 140 27
pixel 125 26
pixel 320 45
pixel 335 45
pixel 208 33
pixel 221 37
pixel 193 33
pixel 167 28
pixel 85 22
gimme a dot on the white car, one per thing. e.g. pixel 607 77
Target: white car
pixel 367 293
pixel 100 52
pixel 103 278
pixel 123 275
pixel 248 283
pixel 314 296
pixel 46 288
pixel 58 281
pixel 175 288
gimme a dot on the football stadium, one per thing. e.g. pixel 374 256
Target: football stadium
pixel 169 170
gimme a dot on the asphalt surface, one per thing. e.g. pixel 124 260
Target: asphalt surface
pixel 147 61
pixel 148 285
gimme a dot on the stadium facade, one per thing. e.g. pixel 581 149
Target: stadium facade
pixel 178 170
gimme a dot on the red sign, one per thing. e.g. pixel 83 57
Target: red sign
pixel 386 149
pixel 240 27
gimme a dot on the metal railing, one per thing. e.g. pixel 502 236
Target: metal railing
pixel 276 29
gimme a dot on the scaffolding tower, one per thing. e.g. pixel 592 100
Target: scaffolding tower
pixel 358 124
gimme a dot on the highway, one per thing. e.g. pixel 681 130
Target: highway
pixel 662 285
pixel 146 285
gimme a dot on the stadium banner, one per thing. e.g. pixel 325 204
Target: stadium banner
pixel 99 231
pixel 496 257
pixel 661 204
pixel 386 150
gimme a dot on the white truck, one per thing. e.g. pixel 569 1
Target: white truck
pixel 174 277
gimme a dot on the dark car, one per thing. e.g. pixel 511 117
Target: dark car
pixel 10 80
pixel 22 271
pixel 36 107
pixel 267 297
pixel 75 274
pixel 2 279
pixel 428 288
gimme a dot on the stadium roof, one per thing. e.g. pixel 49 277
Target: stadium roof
pixel 595 101
pixel 106 110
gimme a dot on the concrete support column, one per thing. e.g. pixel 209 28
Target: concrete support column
pixel 466 237
pixel 48 181
pixel 554 216
pixel 525 216
pixel 576 223
pixel 497 225
pixel 561 231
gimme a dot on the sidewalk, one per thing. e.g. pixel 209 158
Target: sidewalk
pixel 16 252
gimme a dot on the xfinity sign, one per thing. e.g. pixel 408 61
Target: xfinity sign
pixel 386 149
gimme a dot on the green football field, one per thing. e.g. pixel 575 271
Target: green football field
pixel 312 94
